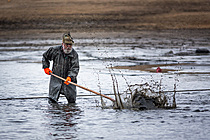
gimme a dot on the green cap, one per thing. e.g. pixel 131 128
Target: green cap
pixel 67 38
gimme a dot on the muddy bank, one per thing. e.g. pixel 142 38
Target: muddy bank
pixel 153 68
pixel 92 18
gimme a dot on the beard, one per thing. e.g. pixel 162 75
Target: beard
pixel 67 50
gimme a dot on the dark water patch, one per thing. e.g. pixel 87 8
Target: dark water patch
pixel 202 51
pixel 135 121
pixel 187 108
pixel 17 121
pixel 21 49
pixel 199 110
pixel 38 62
pixel 27 44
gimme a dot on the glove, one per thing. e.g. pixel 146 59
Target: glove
pixel 47 71
pixel 67 79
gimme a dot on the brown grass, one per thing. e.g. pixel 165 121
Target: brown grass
pixel 28 17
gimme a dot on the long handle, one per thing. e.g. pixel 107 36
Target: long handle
pixel 83 87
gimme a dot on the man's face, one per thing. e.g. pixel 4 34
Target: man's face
pixel 67 48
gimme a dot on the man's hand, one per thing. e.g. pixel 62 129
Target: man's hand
pixel 67 79
pixel 47 71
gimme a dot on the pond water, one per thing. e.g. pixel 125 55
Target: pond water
pixel 22 76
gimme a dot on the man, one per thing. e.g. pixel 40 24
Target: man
pixel 65 64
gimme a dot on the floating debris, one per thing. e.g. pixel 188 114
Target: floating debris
pixel 203 50
pixel 158 69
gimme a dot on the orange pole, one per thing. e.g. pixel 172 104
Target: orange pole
pixel 83 87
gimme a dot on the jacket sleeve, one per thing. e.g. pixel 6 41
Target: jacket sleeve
pixel 74 70
pixel 47 57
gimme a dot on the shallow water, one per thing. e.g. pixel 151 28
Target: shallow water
pixel 22 76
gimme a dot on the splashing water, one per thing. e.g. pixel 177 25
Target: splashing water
pixel 145 96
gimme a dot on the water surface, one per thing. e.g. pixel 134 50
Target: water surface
pixel 22 76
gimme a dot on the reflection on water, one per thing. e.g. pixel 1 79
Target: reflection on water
pixel 63 119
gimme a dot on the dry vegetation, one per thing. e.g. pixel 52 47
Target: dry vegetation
pixel 26 17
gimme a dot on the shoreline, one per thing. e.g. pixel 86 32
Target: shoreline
pixel 176 33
